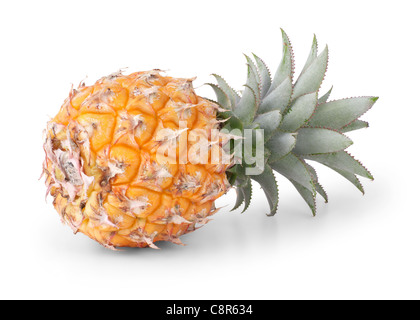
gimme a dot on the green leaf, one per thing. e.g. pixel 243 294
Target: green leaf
pixel 221 96
pixel 355 125
pixel 279 98
pixel 342 161
pixel 231 177
pixel 254 80
pixel 269 121
pixel 233 122
pixel 285 69
pixel 299 113
pixel 318 187
pixel 281 144
pixel 312 77
pixel 232 95
pixel 265 75
pixel 352 178
pixel 247 192
pixel 240 197
pixel 319 140
pixel 247 106
pixel 294 169
pixel 269 184
pixel 325 97
pixel 339 113
pixel 307 195
pixel 312 55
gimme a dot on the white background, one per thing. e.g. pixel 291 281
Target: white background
pixel 358 247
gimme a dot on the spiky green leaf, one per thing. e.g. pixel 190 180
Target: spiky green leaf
pixel 307 195
pixel 325 97
pixel 299 113
pixel 318 187
pixel 247 106
pixel 285 69
pixel 254 79
pixel 221 96
pixel 232 95
pixel 355 125
pixel 342 161
pixel 339 113
pixel 268 182
pixel 320 140
pixel 352 178
pixel 269 121
pixel 312 55
pixel 312 77
pixel 265 75
pixel 280 144
pixel 240 197
pixel 278 99
pixel 321 191
pixel 241 177
pixel 294 169
pixel 247 191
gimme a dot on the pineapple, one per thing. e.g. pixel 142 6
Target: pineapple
pixel 140 158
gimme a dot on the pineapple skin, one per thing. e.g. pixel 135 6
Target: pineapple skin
pixel 101 166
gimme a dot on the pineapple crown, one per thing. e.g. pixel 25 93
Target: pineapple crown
pixel 298 125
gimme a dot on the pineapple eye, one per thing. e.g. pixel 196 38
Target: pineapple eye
pixel 136 91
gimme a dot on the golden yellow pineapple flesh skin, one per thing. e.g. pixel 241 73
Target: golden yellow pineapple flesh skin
pixel 101 163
